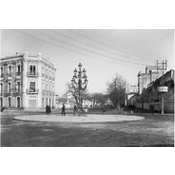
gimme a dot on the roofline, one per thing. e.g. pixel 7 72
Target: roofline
pixel 21 56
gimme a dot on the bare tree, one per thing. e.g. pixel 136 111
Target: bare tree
pixel 74 91
pixel 116 90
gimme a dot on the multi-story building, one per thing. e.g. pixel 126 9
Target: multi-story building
pixel 151 74
pixel 27 82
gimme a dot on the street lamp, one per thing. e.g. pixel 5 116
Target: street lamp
pixel 80 81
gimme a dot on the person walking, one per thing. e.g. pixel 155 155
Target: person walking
pixel 47 109
pixel 75 109
pixel 63 110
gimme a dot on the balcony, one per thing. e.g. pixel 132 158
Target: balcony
pixel 18 73
pixel 33 74
pixel 31 91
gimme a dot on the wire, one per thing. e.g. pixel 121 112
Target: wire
pixel 93 46
pixel 67 48
pixel 108 45
pixel 91 51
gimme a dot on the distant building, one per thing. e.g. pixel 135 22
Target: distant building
pixel 151 74
pixel 27 82
pixel 87 103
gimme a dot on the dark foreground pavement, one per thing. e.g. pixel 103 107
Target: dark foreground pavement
pixel 154 131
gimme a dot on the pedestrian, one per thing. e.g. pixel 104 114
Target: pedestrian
pixel 75 109
pixel 63 110
pixel 47 109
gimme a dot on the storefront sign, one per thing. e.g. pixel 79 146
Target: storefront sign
pixel 162 89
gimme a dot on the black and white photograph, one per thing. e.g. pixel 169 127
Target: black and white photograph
pixel 87 88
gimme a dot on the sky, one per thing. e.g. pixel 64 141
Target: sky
pixel 102 52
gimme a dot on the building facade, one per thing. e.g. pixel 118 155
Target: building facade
pixel 151 97
pixel 27 82
pixel 145 79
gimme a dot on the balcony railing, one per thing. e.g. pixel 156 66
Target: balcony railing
pixel 31 91
pixel 35 74
pixel 18 73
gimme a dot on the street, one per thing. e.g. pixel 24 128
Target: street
pixel 153 131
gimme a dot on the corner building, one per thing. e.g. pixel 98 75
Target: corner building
pixel 27 82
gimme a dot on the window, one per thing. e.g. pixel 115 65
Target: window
pixel 18 102
pixel 19 68
pixel 1 102
pixel 9 87
pixel 1 71
pixel 18 86
pixel 32 87
pixel 9 70
pixel 9 101
pixel 33 69
pixel 1 87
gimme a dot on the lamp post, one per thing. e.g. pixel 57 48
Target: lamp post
pixel 80 81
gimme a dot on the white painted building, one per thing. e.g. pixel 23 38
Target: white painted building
pixel 27 82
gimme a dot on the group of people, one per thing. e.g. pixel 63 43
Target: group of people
pixel 48 109
pixel 63 112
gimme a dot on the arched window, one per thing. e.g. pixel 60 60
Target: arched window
pixel 9 102
pixel 18 102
